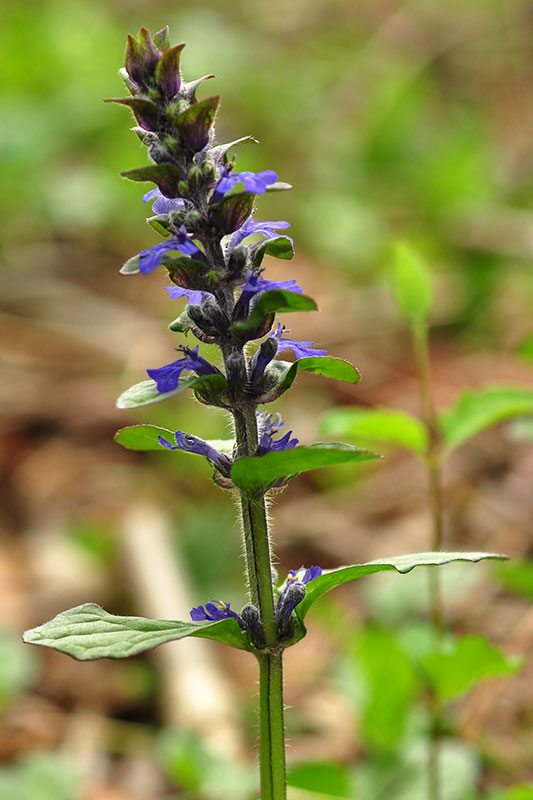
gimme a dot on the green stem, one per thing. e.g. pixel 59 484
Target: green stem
pixel 259 573
pixel 272 734
pixel 433 463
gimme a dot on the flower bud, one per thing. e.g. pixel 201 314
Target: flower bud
pixel 235 374
pixel 183 188
pixel 208 169
pixel 293 594
pixel 159 153
pixel 194 175
pixel 252 621
pixel 192 220
pixel 237 262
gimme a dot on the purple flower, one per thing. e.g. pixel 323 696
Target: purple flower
pixel 300 349
pixel 163 205
pixel 267 229
pixel 267 426
pixel 150 259
pixel 255 182
pixel 192 444
pixel 214 611
pixel 167 377
pixel 277 344
pixel 292 593
pixel 193 296
pixel 255 284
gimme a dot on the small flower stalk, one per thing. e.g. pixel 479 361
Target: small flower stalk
pixel 212 250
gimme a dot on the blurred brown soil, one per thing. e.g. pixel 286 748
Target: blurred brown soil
pixel 69 345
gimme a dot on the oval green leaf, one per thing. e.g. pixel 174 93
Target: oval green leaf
pixel 477 410
pixel 378 425
pixel 145 393
pixel 88 632
pixel 411 284
pixel 403 564
pixel 146 437
pixel 281 374
pixel 256 474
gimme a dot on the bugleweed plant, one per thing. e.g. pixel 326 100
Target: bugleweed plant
pixel 213 250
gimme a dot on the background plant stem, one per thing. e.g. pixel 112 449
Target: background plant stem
pixel 432 461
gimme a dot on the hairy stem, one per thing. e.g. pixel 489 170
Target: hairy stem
pixel 259 573
pixel 433 465
pixel 272 735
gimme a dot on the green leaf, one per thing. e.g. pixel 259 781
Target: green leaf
pixel 522 792
pixel 131 267
pixel 145 393
pixel 231 212
pixel 144 109
pixel 165 176
pixel 181 324
pixel 274 301
pixel 195 122
pixel 160 223
pixel 146 437
pixel 280 375
pixel 411 284
pixel 279 186
pixel 385 704
pixel 381 425
pixel 462 663
pixel 320 777
pixel 88 632
pixel 517 577
pixel 403 564
pixel 280 247
pixel 255 474
pixel 479 409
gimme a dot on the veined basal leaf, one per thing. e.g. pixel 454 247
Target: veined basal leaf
pixel 477 410
pixel 377 425
pixel 88 632
pixel 256 474
pixel 145 393
pixel 335 577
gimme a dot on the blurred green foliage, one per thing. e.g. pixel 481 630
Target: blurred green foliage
pixel 388 121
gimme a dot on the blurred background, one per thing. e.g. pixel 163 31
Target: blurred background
pixel 391 120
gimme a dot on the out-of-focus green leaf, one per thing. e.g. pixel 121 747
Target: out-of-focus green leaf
pixel 145 393
pixel 462 663
pixel 272 302
pixel 479 409
pixel 44 777
pixel 522 792
pixel 192 767
pixel 335 577
pixel 255 474
pixel 88 632
pixel 381 425
pixel 386 703
pixel 17 667
pixel 320 778
pixel 516 576
pixel 411 283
